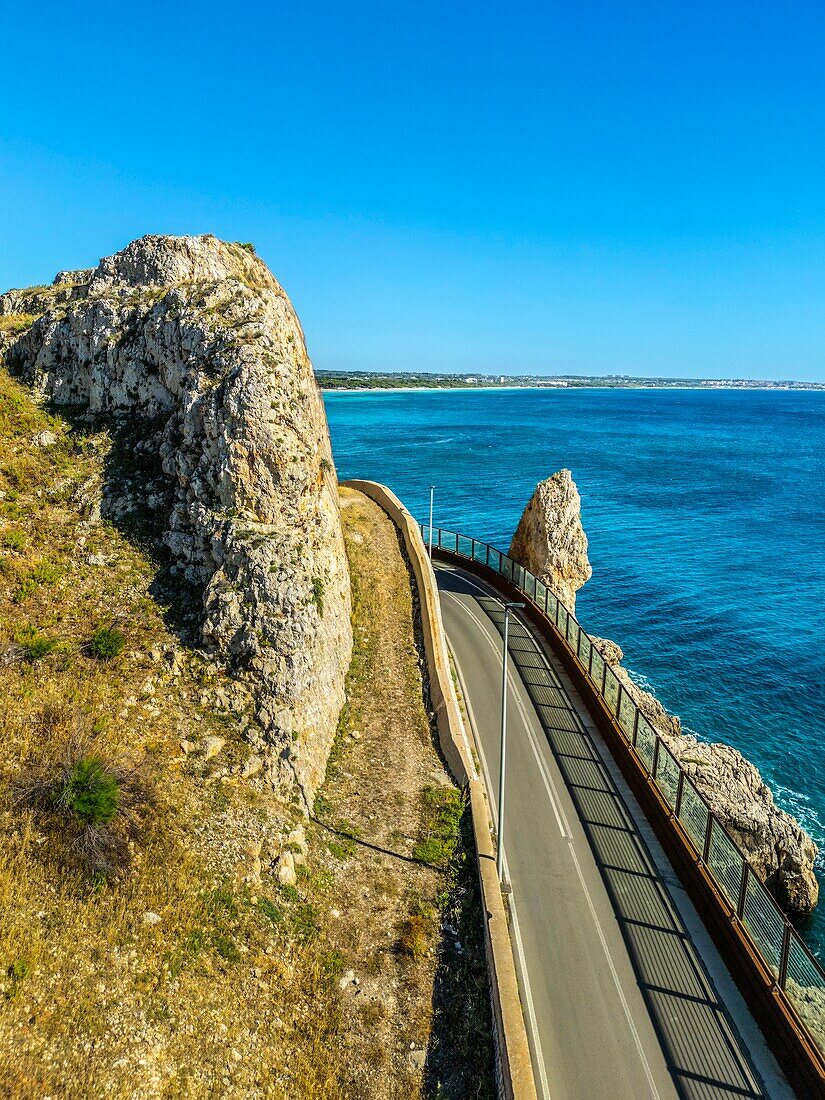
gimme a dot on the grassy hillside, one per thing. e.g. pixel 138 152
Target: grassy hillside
pixel 148 946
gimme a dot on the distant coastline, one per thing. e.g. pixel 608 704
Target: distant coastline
pixel 365 382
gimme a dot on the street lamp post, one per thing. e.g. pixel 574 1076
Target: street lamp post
pixel 508 607
pixel 432 491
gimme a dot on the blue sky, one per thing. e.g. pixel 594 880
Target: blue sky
pixel 594 187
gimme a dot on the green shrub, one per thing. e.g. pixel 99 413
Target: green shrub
pixel 226 947
pixel 342 849
pixel 439 838
pixel 44 572
pixel 270 910
pixel 302 916
pixel 34 645
pixel 414 937
pixel 18 970
pixel 318 593
pixel 106 643
pixel 89 791
pixel 290 892
pixel 247 246
pixel 430 850
pixel 14 539
pixel 304 922
pixel 333 963
pixel 322 806
pixel 38 647
pixel 95 805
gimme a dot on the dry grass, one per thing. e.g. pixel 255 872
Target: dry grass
pixel 401 867
pixel 190 972
pixel 13 323
pixel 180 978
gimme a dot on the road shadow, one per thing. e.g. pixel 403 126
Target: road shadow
pixel 460 1057
pixel 702 1050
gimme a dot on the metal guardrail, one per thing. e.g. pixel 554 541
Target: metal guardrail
pixel 783 953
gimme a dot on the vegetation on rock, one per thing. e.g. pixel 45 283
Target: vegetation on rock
pixel 107 642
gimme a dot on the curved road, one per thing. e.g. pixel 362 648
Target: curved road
pixel 617 1000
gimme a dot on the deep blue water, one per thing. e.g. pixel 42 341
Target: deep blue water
pixel 705 512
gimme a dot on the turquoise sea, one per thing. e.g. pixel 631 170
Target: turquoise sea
pixel 705 512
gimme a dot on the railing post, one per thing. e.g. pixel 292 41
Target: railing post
pixel 604 678
pixel 487 555
pixel 655 765
pixel 635 733
pixel 783 958
pixel 619 702
pixel 706 845
pixel 680 782
pixel 743 890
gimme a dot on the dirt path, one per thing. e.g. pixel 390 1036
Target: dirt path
pixel 401 890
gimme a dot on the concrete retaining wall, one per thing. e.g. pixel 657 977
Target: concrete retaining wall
pixel 513 1062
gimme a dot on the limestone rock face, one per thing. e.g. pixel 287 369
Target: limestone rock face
pixel 190 346
pixel 777 847
pixel 550 540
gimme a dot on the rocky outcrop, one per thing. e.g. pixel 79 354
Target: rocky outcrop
pixel 776 846
pixel 550 540
pixel 647 703
pixel 551 543
pixel 189 348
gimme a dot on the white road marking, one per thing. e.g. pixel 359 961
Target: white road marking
pixel 543 769
pixel 465 698
pixel 528 993
pixel 547 779
pixel 625 1006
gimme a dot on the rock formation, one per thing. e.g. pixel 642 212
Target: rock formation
pixel 550 540
pixel 776 846
pixel 551 543
pixel 189 348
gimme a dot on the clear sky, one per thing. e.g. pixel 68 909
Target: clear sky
pixel 616 187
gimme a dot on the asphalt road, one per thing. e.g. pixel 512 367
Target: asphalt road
pixel 617 1000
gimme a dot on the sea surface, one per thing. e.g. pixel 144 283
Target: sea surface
pixel 705 512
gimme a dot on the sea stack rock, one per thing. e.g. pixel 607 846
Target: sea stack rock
pixel 775 844
pixel 190 351
pixel 550 540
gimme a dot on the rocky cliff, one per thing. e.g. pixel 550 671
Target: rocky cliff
pixel 550 540
pixel 551 543
pixel 191 351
